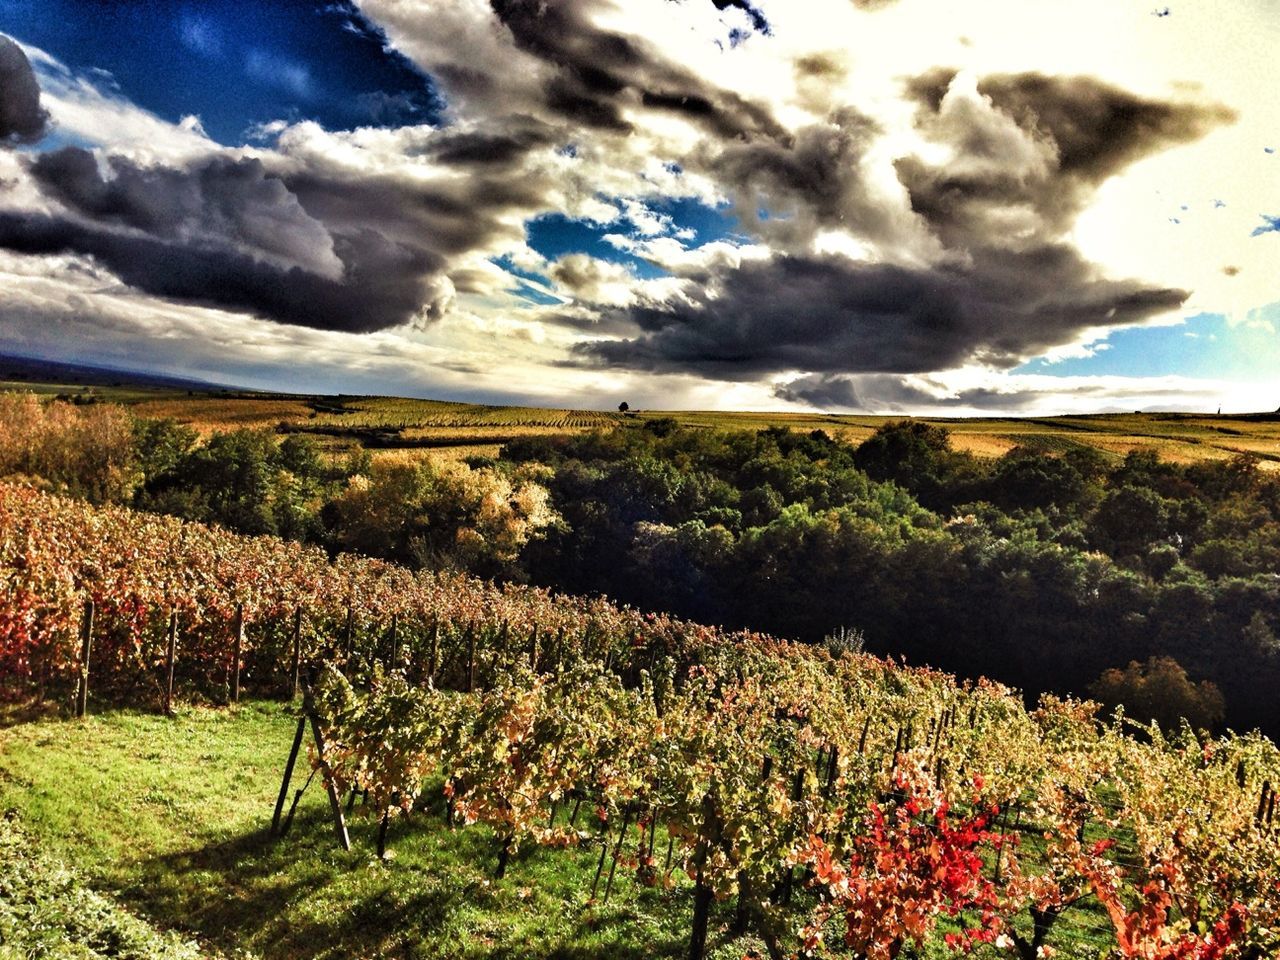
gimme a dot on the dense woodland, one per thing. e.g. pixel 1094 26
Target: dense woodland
pixel 1041 570
pixel 1046 571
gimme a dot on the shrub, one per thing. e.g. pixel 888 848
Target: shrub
pixel 1159 691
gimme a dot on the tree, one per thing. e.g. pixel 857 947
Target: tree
pixel 623 407
pixel 1129 518
pixel 1160 691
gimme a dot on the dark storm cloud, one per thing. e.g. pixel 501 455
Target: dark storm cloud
pixel 930 87
pixel 1028 153
pixel 1089 131
pixel 1098 129
pixel 221 200
pixel 22 120
pixel 883 393
pixel 831 315
pixel 298 241
pixel 813 179
pixel 489 147
pixel 383 284
pixel 873 392
pixel 303 246
pixel 599 73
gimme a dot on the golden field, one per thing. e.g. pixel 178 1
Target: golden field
pixel 395 427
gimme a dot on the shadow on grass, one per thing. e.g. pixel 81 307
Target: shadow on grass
pixel 301 896
pixel 294 896
pixel 16 710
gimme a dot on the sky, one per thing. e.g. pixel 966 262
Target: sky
pixel 1015 207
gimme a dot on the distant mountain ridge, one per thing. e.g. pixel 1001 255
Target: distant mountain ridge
pixel 37 370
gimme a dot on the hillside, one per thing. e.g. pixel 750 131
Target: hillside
pixel 734 793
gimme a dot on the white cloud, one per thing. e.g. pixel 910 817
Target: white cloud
pixel 85 110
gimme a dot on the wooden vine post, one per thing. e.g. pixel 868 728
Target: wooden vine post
pixel 86 647
pixel 297 649
pixel 471 658
pixel 349 632
pixel 335 802
pixel 171 657
pixel 308 716
pixel 237 646
pixel 288 774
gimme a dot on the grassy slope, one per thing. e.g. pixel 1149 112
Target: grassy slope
pixel 171 816
pixel 47 911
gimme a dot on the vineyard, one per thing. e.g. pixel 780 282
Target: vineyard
pixel 835 803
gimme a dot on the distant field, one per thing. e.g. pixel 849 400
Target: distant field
pixel 403 428
pixel 1184 438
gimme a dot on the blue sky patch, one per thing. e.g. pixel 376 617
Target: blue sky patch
pixel 554 235
pixel 234 63
pixel 1207 345
pixel 1269 225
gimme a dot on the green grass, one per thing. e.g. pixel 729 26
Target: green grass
pixel 171 817
pixel 47 911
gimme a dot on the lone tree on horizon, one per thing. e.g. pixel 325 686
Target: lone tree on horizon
pixel 623 407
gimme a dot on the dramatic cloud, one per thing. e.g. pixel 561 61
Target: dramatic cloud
pixel 598 75
pixel 750 200
pixel 226 232
pixel 1029 151
pixel 308 233
pixel 1016 395
pixel 828 314
pixel 22 120
pixel 1024 155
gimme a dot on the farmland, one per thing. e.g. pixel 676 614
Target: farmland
pixel 453 430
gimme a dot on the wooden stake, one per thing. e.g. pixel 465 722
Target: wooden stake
pixel 297 649
pixel 171 656
pixel 86 647
pixel 237 631
pixel 471 658
pixel 604 851
pixel 617 852
pixel 335 802
pixel 288 775
pixel 433 659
